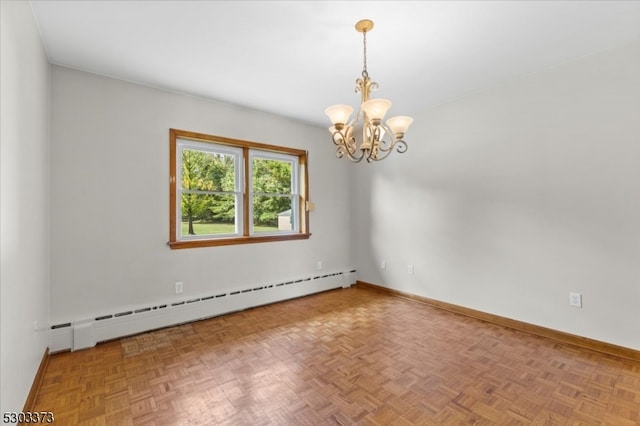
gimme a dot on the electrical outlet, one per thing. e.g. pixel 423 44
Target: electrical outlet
pixel 383 264
pixel 179 287
pixel 575 299
pixel 319 265
pixel 410 270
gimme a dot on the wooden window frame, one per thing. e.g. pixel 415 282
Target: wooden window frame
pixel 247 147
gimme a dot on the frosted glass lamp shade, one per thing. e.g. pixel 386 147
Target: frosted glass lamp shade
pixel 376 108
pixel 400 124
pixel 339 114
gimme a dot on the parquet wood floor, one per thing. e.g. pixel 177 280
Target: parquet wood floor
pixel 349 356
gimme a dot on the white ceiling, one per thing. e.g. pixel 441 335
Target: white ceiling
pixel 295 58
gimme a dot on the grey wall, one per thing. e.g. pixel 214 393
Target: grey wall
pixel 24 204
pixel 110 199
pixel 509 199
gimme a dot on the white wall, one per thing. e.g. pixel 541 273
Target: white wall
pixel 24 204
pixel 509 199
pixel 110 199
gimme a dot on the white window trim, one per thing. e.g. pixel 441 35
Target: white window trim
pixel 238 186
pixel 295 188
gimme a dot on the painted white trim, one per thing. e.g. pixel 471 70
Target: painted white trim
pixel 87 332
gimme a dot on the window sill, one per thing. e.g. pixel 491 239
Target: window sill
pixel 174 245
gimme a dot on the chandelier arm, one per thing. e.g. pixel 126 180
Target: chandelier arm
pixel 371 140
pixel 385 153
pixel 399 144
pixel 353 158
pixel 380 158
pixel 386 144
pixel 346 146
pixel 357 159
pixel 388 140
pixel 337 138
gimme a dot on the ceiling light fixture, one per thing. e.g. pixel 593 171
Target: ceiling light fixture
pixel 378 139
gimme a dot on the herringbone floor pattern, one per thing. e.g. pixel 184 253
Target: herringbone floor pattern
pixel 351 356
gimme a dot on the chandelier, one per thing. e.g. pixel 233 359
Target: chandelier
pixel 378 139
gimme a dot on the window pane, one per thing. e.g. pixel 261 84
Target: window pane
pixel 208 214
pixel 271 176
pixel 207 171
pixel 272 214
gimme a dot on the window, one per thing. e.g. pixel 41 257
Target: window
pixel 226 191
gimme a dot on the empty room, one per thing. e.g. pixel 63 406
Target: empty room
pixel 320 212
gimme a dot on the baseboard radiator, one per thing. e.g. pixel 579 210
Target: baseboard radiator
pixel 87 332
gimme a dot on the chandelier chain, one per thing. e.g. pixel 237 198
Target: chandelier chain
pixel 365 74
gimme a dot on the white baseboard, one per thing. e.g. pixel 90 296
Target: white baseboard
pixel 86 332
